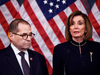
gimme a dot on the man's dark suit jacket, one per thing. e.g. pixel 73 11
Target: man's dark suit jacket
pixel 10 66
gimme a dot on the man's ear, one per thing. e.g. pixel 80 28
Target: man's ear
pixel 10 35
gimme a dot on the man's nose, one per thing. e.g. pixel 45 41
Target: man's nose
pixel 29 37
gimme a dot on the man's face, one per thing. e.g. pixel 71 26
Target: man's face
pixel 18 41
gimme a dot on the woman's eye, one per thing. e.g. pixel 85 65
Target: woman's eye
pixel 72 23
pixel 80 23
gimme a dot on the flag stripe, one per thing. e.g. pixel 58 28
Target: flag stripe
pixel 15 5
pixel 80 6
pixel 96 13
pixel 3 37
pixel 56 30
pixel 93 16
pixel 1 44
pixel 95 36
pixel 11 9
pixel 5 13
pixel 44 22
pixel 60 25
pixel 38 26
pixel 3 22
pixel 68 11
pixel 73 7
pixel 98 4
pixel 63 17
pixel 38 49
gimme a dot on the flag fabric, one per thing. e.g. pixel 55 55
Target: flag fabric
pixel 47 19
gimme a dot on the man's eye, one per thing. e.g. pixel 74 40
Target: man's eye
pixel 24 35
pixel 30 34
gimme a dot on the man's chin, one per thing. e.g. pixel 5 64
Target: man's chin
pixel 24 49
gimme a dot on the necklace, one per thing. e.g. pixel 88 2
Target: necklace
pixel 79 44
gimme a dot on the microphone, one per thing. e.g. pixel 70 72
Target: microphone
pixel 66 63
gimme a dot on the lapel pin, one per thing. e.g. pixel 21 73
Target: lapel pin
pixel 91 53
pixel 31 58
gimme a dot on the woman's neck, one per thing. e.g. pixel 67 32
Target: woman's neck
pixel 78 40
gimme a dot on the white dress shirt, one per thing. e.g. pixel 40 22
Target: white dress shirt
pixel 26 56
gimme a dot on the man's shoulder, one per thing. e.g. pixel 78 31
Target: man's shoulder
pixel 34 53
pixel 3 50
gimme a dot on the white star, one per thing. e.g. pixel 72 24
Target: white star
pixel 58 0
pixel 45 1
pixel 51 3
pixel 57 6
pixel 64 2
pixel 50 11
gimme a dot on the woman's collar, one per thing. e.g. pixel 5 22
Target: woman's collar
pixel 78 44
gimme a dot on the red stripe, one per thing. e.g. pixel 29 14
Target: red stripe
pixel 1 45
pixel 36 46
pixel 4 23
pixel 37 49
pixel 94 23
pixel 98 4
pixel 11 9
pixel 73 7
pixel 63 17
pixel 91 39
pixel 18 16
pixel 38 26
pixel 56 30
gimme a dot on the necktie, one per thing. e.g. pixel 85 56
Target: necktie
pixel 25 65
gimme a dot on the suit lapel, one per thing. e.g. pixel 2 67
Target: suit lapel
pixel 12 60
pixel 33 63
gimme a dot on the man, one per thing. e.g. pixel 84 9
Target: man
pixel 11 62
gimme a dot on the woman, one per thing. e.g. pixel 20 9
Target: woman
pixel 77 56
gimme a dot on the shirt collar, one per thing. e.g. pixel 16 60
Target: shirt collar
pixel 16 51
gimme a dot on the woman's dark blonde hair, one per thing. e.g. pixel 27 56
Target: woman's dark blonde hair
pixel 88 25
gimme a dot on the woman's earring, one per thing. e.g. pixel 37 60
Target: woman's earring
pixel 85 31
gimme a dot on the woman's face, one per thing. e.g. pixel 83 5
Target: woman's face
pixel 77 27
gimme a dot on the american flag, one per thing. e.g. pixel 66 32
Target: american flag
pixel 48 20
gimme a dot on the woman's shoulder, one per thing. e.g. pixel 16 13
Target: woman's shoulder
pixel 94 43
pixel 62 44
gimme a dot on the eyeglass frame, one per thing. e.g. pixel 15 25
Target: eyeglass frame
pixel 24 34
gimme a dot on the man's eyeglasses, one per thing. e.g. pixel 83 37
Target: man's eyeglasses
pixel 25 35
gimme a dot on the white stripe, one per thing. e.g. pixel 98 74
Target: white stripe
pixel 37 37
pixel 43 22
pixel 80 6
pixel 4 37
pixel 60 24
pixel 24 14
pixel 95 36
pixel 6 13
pixel 96 13
pixel 43 46
pixel 68 11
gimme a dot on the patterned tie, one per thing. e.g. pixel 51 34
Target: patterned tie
pixel 25 65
